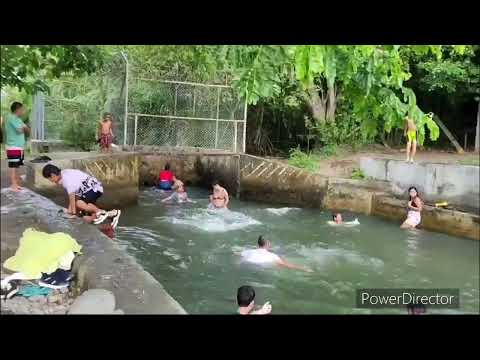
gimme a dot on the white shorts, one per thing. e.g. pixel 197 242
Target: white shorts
pixel 413 218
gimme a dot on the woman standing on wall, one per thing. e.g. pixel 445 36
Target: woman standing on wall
pixel 415 206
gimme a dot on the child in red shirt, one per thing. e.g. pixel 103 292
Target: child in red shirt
pixel 166 178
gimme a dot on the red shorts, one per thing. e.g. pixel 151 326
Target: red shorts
pixel 15 158
pixel 106 140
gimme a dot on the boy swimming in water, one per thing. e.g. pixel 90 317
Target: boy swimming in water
pixel 246 302
pixel 219 199
pixel 179 195
pixel 263 255
pixel 410 131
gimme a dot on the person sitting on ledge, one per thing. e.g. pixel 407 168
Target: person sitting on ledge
pixel 415 206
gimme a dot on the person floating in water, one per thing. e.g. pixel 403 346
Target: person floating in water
pixel 105 132
pixel 179 195
pixel 338 220
pixel 83 192
pixel 263 255
pixel 246 302
pixel 219 199
pixel 410 131
pixel 415 206
pixel 166 178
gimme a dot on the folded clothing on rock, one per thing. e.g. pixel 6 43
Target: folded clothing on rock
pixel 40 252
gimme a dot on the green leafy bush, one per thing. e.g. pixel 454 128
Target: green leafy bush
pixel 81 135
pixel 303 160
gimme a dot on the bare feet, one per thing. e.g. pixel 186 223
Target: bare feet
pixel 16 188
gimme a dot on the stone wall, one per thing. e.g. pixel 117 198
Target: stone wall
pixel 198 169
pixel 450 222
pixel 456 184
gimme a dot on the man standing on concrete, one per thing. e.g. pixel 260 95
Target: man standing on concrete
pixel 15 130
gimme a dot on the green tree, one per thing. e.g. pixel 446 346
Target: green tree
pixel 29 67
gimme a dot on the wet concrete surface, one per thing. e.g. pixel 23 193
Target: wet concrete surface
pixel 102 265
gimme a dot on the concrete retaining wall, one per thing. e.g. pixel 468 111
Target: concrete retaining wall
pixel 457 184
pixel 193 168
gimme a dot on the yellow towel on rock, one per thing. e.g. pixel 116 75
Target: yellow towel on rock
pixel 41 252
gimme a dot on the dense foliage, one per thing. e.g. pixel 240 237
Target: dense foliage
pixel 316 96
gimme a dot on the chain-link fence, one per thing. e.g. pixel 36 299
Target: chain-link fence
pixel 70 112
pixel 145 111
pixel 183 114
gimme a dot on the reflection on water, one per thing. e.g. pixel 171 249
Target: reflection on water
pixel 194 254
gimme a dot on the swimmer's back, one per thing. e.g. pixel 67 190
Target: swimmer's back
pixel 259 256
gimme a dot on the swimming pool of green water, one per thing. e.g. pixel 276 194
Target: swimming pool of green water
pixel 193 254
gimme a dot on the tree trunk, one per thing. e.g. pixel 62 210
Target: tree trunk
pixel 477 134
pixel 331 104
pixel 317 105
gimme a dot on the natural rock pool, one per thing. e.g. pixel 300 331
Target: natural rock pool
pixel 193 254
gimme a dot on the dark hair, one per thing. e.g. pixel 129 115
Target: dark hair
pixel 334 215
pixel 15 106
pixel 49 170
pixel 411 307
pixel 412 188
pixel 261 241
pixel 167 166
pixel 107 115
pixel 245 295
pixel 215 182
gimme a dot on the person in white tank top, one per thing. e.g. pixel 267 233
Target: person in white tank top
pixel 263 255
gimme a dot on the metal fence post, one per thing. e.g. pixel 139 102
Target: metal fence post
pixel 135 131
pixel 218 114
pixel 245 123
pixel 235 140
pixel 125 121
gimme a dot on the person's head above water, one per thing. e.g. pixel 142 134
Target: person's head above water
pixel 264 243
pixel 416 309
pixel 167 167
pixel 52 173
pixel 337 217
pixel 246 296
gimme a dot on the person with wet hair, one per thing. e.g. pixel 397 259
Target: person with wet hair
pixel 263 255
pixel 414 208
pixel 246 302
pixel 219 199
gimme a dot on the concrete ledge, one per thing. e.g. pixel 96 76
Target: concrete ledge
pixel 103 263
pixel 451 222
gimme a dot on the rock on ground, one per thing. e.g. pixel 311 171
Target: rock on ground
pixel 94 301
